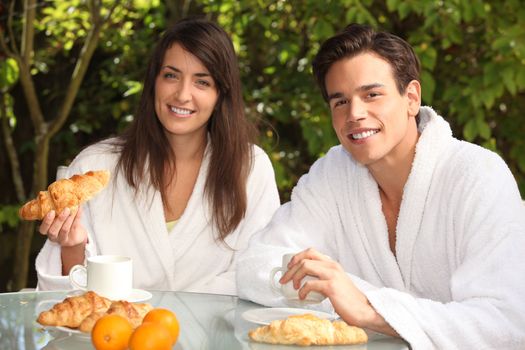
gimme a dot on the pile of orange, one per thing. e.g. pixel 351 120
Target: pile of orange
pixel 159 330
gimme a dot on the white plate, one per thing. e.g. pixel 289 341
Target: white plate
pixel 266 315
pixel 71 331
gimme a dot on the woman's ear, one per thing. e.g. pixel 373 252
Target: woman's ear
pixel 413 94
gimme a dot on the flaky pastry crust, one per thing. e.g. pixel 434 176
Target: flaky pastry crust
pixel 65 193
pixel 307 329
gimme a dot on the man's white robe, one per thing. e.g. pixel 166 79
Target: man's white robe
pixel 457 280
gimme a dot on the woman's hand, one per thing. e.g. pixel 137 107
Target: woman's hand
pixel 65 229
pixel 333 282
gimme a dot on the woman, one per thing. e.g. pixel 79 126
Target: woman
pixel 188 187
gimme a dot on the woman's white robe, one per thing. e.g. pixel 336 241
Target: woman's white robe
pixel 458 279
pixel 188 258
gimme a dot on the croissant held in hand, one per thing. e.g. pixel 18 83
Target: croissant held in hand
pixel 65 193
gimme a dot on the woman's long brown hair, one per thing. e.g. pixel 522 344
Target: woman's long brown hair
pixel 144 146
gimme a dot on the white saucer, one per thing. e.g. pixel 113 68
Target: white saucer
pixel 135 296
pixel 266 315
pixel 139 295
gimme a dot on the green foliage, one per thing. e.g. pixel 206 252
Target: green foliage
pixel 8 73
pixel 472 55
pixel 8 216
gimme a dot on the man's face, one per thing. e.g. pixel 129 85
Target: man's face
pixel 370 117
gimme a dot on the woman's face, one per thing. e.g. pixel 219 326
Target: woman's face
pixel 185 94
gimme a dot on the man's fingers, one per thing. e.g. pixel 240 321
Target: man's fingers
pixel 313 286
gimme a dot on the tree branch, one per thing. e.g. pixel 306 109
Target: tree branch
pixel 11 151
pixel 28 32
pixel 14 48
pixel 80 68
pixel 3 45
pixel 26 80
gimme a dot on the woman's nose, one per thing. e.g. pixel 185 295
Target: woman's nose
pixel 183 92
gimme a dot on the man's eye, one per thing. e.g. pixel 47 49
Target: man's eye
pixel 373 94
pixel 340 103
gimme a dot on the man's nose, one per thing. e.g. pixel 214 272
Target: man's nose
pixel 356 111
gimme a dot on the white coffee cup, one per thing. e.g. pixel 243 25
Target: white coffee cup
pixel 288 290
pixel 110 276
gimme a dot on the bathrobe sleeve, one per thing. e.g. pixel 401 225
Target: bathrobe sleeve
pixel 306 221
pixel 263 201
pixel 487 310
pixel 49 261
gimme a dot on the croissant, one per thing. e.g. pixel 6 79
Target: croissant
pixel 73 310
pixel 308 330
pixel 133 312
pixel 65 193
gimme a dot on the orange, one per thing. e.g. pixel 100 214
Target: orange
pixel 166 318
pixel 111 332
pixel 150 336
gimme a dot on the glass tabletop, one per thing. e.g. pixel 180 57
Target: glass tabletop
pixel 207 321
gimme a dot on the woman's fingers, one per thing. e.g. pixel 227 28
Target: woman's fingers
pixel 77 233
pixel 64 233
pixel 46 222
pixel 53 229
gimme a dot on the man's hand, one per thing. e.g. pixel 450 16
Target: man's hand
pixel 333 282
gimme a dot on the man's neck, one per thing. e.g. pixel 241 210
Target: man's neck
pixel 391 173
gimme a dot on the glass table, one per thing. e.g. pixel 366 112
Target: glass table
pixel 207 321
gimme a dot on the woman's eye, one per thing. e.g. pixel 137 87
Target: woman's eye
pixel 203 83
pixel 169 75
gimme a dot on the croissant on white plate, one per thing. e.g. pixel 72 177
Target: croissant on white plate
pixel 306 330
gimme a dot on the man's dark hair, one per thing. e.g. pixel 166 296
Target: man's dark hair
pixel 356 39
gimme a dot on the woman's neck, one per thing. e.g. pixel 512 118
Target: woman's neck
pixel 188 147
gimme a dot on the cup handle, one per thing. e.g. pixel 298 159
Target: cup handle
pixel 273 284
pixel 72 278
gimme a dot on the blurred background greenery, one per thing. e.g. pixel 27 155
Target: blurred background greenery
pixel 71 71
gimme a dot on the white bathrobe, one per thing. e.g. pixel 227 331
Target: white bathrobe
pixel 458 279
pixel 188 258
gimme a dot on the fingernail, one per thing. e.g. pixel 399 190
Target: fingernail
pixel 66 212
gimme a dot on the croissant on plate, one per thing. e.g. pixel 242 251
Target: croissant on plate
pixel 308 330
pixel 133 312
pixel 65 193
pixel 73 310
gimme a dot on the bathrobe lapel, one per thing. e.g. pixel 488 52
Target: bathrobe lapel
pixel 396 271
pixel 435 135
pixel 195 216
pixel 155 230
pixel 169 246
pixel 373 229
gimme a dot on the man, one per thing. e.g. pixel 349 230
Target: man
pixel 411 232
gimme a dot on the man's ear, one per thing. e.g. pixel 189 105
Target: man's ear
pixel 413 94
